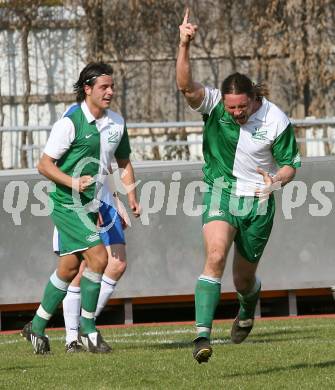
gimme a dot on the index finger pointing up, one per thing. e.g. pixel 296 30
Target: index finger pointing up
pixel 187 14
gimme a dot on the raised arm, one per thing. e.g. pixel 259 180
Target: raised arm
pixel 192 90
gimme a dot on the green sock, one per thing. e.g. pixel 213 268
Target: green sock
pixel 248 301
pixel 89 298
pixel 207 297
pixel 54 293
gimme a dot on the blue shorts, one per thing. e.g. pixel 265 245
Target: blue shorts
pixel 111 231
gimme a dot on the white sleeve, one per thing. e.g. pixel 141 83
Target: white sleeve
pixel 211 99
pixel 60 139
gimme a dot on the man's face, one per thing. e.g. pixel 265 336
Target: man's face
pixel 240 107
pixel 101 93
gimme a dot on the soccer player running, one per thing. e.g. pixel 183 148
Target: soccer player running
pixel 249 149
pixel 112 222
pixel 78 152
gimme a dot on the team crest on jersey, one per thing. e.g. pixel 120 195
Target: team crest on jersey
pixel 259 134
pixel 113 137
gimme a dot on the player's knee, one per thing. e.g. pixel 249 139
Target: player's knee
pixel 215 258
pixel 67 274
pixel 116 269
pixel 98 263
pixel 72 274
pixel 101 263
pixel 96 259
pixel 243 283
pixel 122 266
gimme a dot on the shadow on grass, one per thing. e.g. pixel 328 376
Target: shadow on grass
pixel 286 332
pixel 171 345
pixel 330 363
pixel 259 339
pixel 264 339
pixel 15 368
pixel 160 346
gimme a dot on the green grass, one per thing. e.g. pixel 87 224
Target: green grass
pixel 279 354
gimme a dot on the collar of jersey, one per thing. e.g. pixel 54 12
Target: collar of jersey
pixel 90 118
pixel 261 113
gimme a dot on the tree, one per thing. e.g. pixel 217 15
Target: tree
pixel 122 25
pixel 23 15
pixel 94 29
pixel 2 118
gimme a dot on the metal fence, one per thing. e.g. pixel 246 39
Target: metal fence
pixel 160 141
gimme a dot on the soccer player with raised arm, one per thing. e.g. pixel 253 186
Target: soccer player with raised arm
pixel 249 149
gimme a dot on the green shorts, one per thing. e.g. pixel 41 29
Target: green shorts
pixel 252 219
pixel 77 229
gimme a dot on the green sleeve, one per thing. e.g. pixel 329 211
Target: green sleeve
pixel 123 150
pixel 285 149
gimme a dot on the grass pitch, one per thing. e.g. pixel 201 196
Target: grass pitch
pixel 279 354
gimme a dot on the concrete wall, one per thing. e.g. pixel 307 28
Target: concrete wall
pixel 165 248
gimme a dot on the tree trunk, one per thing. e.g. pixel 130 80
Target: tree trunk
pixel 26 136
pixel 155 149
pixel 94 29
pixel 2 117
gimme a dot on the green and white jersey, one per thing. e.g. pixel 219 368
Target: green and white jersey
pixel 83 145
pixel 233 152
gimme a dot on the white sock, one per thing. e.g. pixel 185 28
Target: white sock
pixel 71 313
pixel 106 291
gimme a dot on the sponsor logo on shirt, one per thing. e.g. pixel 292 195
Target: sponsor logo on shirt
pixel 259 134
pixel 113 137
pixel 92 237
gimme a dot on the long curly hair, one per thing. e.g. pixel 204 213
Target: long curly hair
pixel 238 83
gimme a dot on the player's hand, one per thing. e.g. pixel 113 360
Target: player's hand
pixel 187 30
pixel 270 185
pixel 82 183
pixel 135 208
